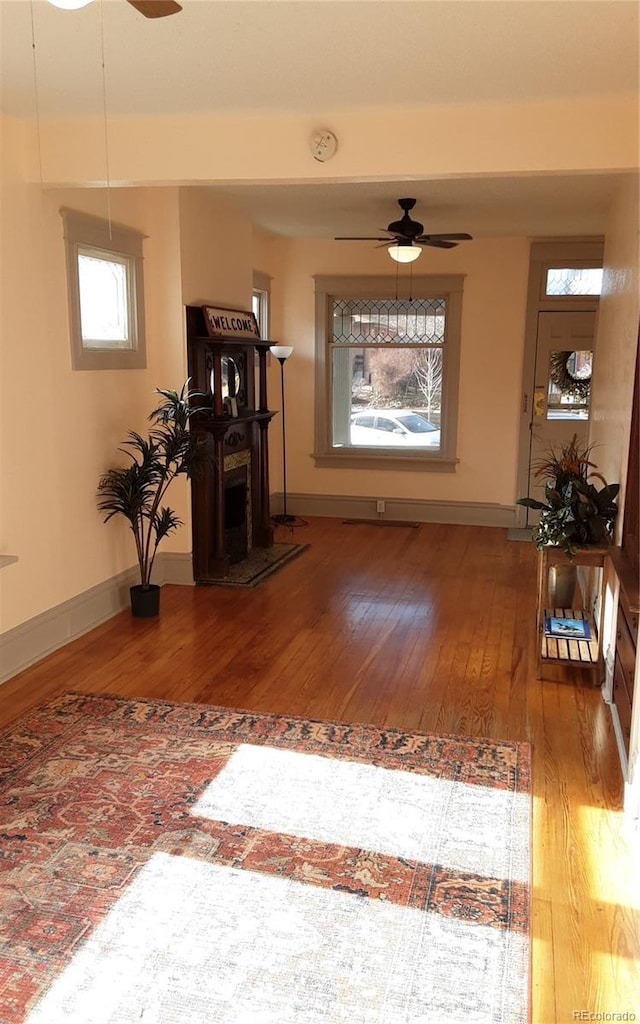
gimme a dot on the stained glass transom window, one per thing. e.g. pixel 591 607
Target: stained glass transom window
pixel 388 321
pixel 568 281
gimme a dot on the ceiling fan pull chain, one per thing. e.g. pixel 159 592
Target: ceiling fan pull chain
pixel 104 117
pixel 36 92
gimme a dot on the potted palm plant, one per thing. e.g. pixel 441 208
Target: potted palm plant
pixel 137 491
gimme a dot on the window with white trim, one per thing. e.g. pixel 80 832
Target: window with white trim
pixel 260 298
pixel 106 293
pixel 387 378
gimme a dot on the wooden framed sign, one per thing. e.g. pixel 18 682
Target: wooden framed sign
pixel 230 323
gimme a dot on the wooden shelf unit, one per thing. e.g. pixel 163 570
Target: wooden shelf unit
pixel 577 653
pixel 557 648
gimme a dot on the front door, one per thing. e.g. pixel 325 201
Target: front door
pixel 561 392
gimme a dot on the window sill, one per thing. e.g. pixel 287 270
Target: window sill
pixel 368 459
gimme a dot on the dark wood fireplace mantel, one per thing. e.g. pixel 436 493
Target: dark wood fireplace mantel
pixel 234 423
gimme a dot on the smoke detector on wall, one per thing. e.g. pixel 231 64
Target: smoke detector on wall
pixel 323 145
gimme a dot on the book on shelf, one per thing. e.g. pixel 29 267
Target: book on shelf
pixel 567 629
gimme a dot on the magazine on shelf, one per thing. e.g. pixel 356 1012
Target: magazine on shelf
pixel 568 629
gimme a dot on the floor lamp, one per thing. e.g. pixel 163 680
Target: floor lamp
pixel 282 353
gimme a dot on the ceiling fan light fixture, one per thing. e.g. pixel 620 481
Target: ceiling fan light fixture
pixel 70 5
pixel 404 252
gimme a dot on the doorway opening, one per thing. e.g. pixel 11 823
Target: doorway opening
pixel 565 280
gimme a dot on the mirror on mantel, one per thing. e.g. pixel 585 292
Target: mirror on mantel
pixel 230 377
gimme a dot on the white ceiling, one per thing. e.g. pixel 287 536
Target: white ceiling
pixel 320 56
pixel 316 55
pixel 536 206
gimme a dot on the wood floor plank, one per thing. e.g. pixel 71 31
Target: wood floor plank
pixel 433 629
pixel 543 980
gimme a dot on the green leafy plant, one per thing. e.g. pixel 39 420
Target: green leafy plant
pixel 575 513
pixel 137 491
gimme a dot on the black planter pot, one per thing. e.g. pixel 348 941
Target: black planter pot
pixel 145 601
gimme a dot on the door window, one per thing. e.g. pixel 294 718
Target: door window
pixel 569 385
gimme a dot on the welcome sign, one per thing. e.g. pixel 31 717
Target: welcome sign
pixel 230 323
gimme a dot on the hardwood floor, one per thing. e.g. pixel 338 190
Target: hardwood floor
pixel 433 629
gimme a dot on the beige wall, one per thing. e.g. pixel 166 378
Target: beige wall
pixel 618 323
pixel 263 252
pixel 493 310
pixel 61 429
pixel 499 138
pixel 216 243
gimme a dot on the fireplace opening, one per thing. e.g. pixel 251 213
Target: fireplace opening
pixel 235 515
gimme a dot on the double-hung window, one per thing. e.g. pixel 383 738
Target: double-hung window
pixel 387 372
pixel 106 293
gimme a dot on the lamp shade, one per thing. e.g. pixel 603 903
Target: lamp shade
pixel 281 351
pixel 70 5
pixel 406 253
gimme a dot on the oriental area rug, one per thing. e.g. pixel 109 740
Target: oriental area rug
pixel 184 864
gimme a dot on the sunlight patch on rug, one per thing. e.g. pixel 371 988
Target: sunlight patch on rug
pixel 363 805
pixel 200 943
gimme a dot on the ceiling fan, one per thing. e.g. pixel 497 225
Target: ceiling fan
pixel 155 8
pixel 150 8
pixel 407 236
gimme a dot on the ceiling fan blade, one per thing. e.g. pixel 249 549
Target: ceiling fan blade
pixel 450 237
pixel 360 238
pixel 437 243
pixel 155 8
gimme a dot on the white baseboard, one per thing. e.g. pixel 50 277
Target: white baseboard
pixel 630 768
pixel 32 640
pixel 340 506
pixel 622 753
pixel 632 792
pixel 175 567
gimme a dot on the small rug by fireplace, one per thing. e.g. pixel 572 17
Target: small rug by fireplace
pixel 259 564
pixel 166 863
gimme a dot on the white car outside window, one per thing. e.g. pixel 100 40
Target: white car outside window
pixel 392 428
